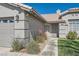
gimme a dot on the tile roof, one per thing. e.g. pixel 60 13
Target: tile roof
pixel 52 18
pixel 29 9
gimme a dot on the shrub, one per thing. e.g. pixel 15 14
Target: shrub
pixel 44 35
pixel 71 35
pixel 33 48
pixel 16 45
pixel 41 38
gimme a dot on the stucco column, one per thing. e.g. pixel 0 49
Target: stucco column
pixel 19 27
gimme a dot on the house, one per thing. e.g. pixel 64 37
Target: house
pixel 19 21
pixel 60 23
pixel 22 22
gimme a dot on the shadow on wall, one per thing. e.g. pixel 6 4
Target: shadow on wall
pixel 34 34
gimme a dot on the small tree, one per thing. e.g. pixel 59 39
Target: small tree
pixel 33 48
pixel 71 35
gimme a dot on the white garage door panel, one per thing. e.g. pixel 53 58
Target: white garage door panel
pixel 6 34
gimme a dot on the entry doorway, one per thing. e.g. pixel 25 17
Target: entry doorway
pixel 55 30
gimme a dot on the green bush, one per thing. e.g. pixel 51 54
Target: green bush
pixel 33 48
pixel 71 35
pixel 16 45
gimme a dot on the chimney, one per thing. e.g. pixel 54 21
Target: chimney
pixel 58 11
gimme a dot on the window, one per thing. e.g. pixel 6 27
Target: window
pixel 0 21
pixel 11 21
pixel 5 21
pixel 74 25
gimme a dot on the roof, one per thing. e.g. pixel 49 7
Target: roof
pixel 52 18
pixel 28 9
pixel 71 10
pixel 56 18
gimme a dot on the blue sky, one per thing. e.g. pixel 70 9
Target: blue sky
pixel 46 8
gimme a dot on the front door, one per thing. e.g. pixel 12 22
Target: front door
pixel 55 30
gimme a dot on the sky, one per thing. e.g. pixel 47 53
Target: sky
pixel 47 8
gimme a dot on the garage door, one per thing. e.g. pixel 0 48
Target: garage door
pixel 6 32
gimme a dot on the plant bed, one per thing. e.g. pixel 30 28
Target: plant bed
pixel 24 50
pixel 33 48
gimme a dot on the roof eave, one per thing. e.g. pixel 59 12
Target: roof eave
pixel 28 9
pixel 61 21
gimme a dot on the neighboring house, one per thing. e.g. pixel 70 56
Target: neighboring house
pixel 18 21
pixel 60 23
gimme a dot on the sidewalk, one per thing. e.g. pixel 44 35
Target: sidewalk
pixel 51 49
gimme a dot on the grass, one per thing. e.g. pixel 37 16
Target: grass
pixel 68 47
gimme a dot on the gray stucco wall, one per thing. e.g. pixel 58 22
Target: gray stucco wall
pixel 35 26
pixel 6 29
pixel 7 10
pixel 23 29
pixel 64 27
pixel 11 31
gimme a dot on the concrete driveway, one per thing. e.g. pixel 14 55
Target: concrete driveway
pixel 3 49
pixel 6 52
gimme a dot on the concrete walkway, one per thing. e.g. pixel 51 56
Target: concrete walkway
pixel 3 49
pixel 51 48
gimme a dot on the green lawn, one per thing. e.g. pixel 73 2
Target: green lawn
pixel 68 47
